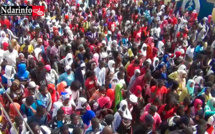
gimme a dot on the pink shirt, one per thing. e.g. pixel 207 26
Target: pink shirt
pixel 156 117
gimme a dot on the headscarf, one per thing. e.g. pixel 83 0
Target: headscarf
pixel 111 94
pixel 155 62
pixel 196 103
pixel 190 89
pixel 160 48
pixel 37 52
pixel 211 103
pixel 64 96
pixel 12 110
pixel 9 74
pixel 88 116
pixel 96 58
pixel 182 67
pixel 144 52
pixel 137 88
pixel 104 101
pixel 61 87
pixel 81 101
pixel 198 80
pixel 118 95
pixel 165 58
pixel 126 113
pixel 68 59
pixel 110 65
pixel 22 72
pixel 51 87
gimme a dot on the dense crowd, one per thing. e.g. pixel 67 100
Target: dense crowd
pixel 107 66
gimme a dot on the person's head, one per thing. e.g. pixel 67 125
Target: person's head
pixel 76 85
pixel 77 130
pixel 120 75
pixel 170 102
pixel 107 130
pixel 10 48
pixel 109 119
pixel 29 100
pixel 64 129
pixel 101 64
pixel 35 127
pixel 15 85
pixel 207 90
pixel 95 123
pixel 149 121
pixel 68 69
pixel 137 72
pixel 201 129
pixel 180 110
pixel 74 119
pixel 160 83
pixel 136 62
pixel 199 115
pixel 175 85
pixel 147 77
pixel 102 89
pixel 40 66
pixel 152 110
pixel 19 121
pixel 156 102
pixel 60 114
pixel 186 101
pixel 43 90
pixel 92 75
pixel 41 111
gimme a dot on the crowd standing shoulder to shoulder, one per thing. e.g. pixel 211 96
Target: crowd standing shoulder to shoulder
pixel 107 67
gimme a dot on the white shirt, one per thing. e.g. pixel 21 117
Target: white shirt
pixel 52 77
pixel 11 57
pixel 100 75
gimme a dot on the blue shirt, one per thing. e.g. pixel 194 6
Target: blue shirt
pixel 27 111
pixel 67 78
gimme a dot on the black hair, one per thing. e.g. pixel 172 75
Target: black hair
pixel 29 99
pixel 200 113
pixel 42 88
pixel 102 88
pixel 64 127
pixel 60 111
pixel 153 109
pixel 77 130
pixel 40 64
pixel 33 125
pixel 75 85
pixel 175 85
pixel 91 73
pixel 72 116
pixel 120 74
pixel 200 129
pixel 18 118
pixel 180 107
pixel 109 119
pixel 137 61
pixel 40 108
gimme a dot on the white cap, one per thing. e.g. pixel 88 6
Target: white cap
pixel 32 84
pixel 104 55
pixel 211 120
pixel 104 42
pixel 133 98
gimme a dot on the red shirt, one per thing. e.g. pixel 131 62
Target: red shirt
pixel 5 22
pixel 159 93
pixel 130 70
pixel 90 83
pixel 166 114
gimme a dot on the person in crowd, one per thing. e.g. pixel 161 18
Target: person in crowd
pixel 59 120
pixel 67 76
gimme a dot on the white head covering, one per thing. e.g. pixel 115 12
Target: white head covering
pixel 210 72
pixel 144 51
pixel 110 65
pixel 154 62
pixel 126 113
pixel 104 55
pixel 81 101
pixel 182 67
pixel 67 68
pixel 198 79
pixel 37 51
pixel 9 74
pixel 149 61
pixel 69 59
pixel 133 98
pixel 160 48
pixel 211 120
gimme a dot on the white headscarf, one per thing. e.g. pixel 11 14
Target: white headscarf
pixel 81 101
pixel 154 63
pixel 160 48
pixel 126 113
pixel 37 52
pixel 144 51
pixel 198 79
pixel 69 59
pixel 9 74
pixel 182 67
pixel 110 65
